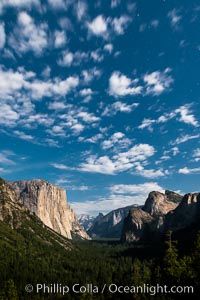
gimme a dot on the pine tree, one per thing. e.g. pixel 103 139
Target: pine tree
pixel 171 264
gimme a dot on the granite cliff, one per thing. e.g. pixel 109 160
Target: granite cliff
pixel 185 215
pixel 49 203
pixel 149 220
pixel 18 223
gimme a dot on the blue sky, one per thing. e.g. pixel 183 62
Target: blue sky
pixel 101 97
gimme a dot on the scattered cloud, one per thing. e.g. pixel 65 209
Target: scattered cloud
pixel 120 85
pixel 18 4
pixel 80 9
pixel 119 106
pixel 121 195
pixel 115 3
pixel 80 188
pixel 196 154
pixel 108 48
pixel 174 17
pixel 158 82
pixel 5 158
pixel 57 105
pixel 14 83
pixel 28 36
pixel 149 173
pixel 120 162
pixel 58 4
pixel 117 140
pixel 23 136
pixel 184 139
pixel 187 171
pixel 186 116
pixel 133 189
pixel 60 166
pixel 183 114
pixel 120 24
pixel 98 26
pixel 2 35
pixel 60 38
pixel 90 75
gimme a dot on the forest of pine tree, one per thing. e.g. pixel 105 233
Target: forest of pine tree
pixel 24 259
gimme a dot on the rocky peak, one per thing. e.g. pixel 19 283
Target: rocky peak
pixel 173 197
pixel 49 203
pixel 135 225
pixel 191 199
pixel 186 214
pixel 11 209
pixel 158 204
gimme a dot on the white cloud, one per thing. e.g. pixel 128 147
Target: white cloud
pixel 18 4
pixel 120 162
pixel 149 173
pixel 60 39
pixel 115 3
pixel 80 10
pixel 146 123
pixel 196 154
pixel 60 166
pixel 186 170
pixel 119 106
pixel 108 48
pixel 67 59
pixel 23 136
pixel 131 189
pixel 46 72
pixel 27 36
pixel 184 139
pixel 57 130
pixel 18 90
pixel 120 24
pixel 86 92
pixel 90 75
pixel 98 26
pixel 120 85
pixel 81 188
pixel 51 143
pixel 155 23
pixel 106 204
pixel 118 139
pixel 5 158
pixel 158 82
pixel 87 117
pixel 58 4
pixel 174 18
pixel 120 196
pixel 186 115
pixel 97 56
pixel 183 111
pixel 57 105
pixel 8 116
pixel 95 138
pixel 2 35
pixel 77 119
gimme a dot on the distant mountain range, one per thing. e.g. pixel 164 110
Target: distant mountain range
pixel 110 225
pixel 87 221
pixel 40 202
